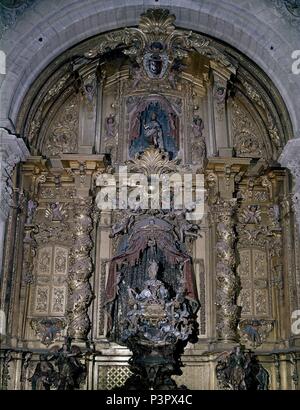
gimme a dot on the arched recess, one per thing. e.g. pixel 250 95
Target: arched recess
pixel 74 119
pixel 258 30
pixel 246 84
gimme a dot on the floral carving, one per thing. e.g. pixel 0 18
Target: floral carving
pixel 245 133
pixel 153 161
pixel 157 45
pixel 37 121
pixel 58 300
pixel 60 260
pixel 63 134
pixel 44 260
pixel 42 299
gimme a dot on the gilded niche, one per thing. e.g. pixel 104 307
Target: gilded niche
pixel 153 121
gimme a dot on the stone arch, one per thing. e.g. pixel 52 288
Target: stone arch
pixel 61 79
pixel 37 101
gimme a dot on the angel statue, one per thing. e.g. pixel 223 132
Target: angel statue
pixel 55 212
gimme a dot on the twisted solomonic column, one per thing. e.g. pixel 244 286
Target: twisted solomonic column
pixel 81 267
pixel 227 283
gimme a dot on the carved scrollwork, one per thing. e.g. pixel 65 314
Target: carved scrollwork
pixel 245 134
pixel 63 134
pixel 156 44
pixel 52 92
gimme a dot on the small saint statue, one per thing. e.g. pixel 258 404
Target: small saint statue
pixel 153 131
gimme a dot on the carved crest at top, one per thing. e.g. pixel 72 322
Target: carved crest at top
pixel 156 45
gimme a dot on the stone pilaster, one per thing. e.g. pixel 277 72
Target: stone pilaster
pixel 12 151
pixel 220 79
pixel 290 158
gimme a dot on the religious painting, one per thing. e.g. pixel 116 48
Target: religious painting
pixel 154 123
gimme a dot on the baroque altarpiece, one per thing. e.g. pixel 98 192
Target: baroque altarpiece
pixel 79 280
